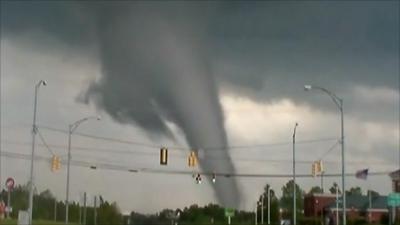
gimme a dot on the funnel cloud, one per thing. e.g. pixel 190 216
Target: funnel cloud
pixel 155 69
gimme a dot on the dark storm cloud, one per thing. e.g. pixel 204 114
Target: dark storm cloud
pixel 160 60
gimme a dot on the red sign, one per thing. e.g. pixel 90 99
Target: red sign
pixel 10 183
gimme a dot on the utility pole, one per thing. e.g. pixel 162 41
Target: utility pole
pixel 294 174
pixel 322 181
pixel 95 212
pixel 370 206
pixel 262 208
pixel 55 210
pixel 337 205
pixel 8 203
pixel 80 213
pixel 84 208
pixel 269 205
pixel 339 103
pixel 34 131
pixel 255 213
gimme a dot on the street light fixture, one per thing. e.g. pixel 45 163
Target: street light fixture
pixel 72 128
pixel 339 103
pixel 294 174
pixel 34 131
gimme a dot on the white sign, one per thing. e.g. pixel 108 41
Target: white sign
pixel 23 217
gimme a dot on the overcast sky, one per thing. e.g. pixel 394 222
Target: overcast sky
pixel 199 75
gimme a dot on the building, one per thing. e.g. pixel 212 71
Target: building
pixel 371 208
pixel 395 175
pixel 314 204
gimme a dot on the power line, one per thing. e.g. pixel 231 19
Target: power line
pixel 149 145
pixel 329 150
pixel 107 166
pixel 183 155
pixel 44 142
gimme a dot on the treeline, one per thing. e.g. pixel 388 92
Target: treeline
pixel 193 215
pixel 46 207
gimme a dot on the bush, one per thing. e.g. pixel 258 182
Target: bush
pixel 384 219
pixel 310 221
pixel 360 221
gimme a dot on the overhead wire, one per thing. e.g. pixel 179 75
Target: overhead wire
pixel 44 142
pixel 178 155
pixel 210 148
pixel 107 166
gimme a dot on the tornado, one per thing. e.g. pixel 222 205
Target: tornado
pixel 155 70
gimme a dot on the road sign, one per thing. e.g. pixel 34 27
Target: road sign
pixel 10 183
pixel 393 199
pixel 229 212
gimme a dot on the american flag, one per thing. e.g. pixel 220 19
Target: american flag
pixel 362 174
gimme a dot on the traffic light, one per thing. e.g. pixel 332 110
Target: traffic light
pixel 163 156
pixel 214 177
pixel 55 163
pixel 192 159
pixel 320 167
pixel 317 168
pixel 198 179
pixel 314 169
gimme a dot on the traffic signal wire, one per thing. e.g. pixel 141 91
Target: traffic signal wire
pixel 210 148
pixel 180 154
pixel 107 166
pixel 44 142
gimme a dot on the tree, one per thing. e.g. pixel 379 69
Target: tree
pixel 287 198
pixel 274 210
pixel 373 193
pixel 333 189
pixel 315 190
pixel 354 191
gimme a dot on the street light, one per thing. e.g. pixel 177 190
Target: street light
pixel 71 129
pixel 294 174
pixel 339 103
pixel 34 131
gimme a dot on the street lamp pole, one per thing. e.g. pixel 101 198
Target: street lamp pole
pixel 269 205
pixel 34 131
pixel 339 103
pixel 294 175
pixel 71 129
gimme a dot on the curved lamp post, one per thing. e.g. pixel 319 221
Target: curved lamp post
pixel 71 129
pixel 339 103
pixel 34 131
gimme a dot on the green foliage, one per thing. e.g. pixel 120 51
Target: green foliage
pixel 309 221
pixel 373 193
pixel 193 215
pixel 44 208
pixel 315 190
pixel 333 188
pixel 274 211
pixel 354 191
pixel 287 197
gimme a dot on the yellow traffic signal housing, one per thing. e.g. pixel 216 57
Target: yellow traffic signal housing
pixel 314 169
pixel 317 168
pixel 192 159
pixel 55 163
pixel 163 156
pixel 320 167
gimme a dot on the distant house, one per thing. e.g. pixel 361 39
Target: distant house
pixel 372 209
pixel 395 175
pixel 357 207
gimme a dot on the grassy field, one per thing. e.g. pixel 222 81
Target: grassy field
pixel 35 222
